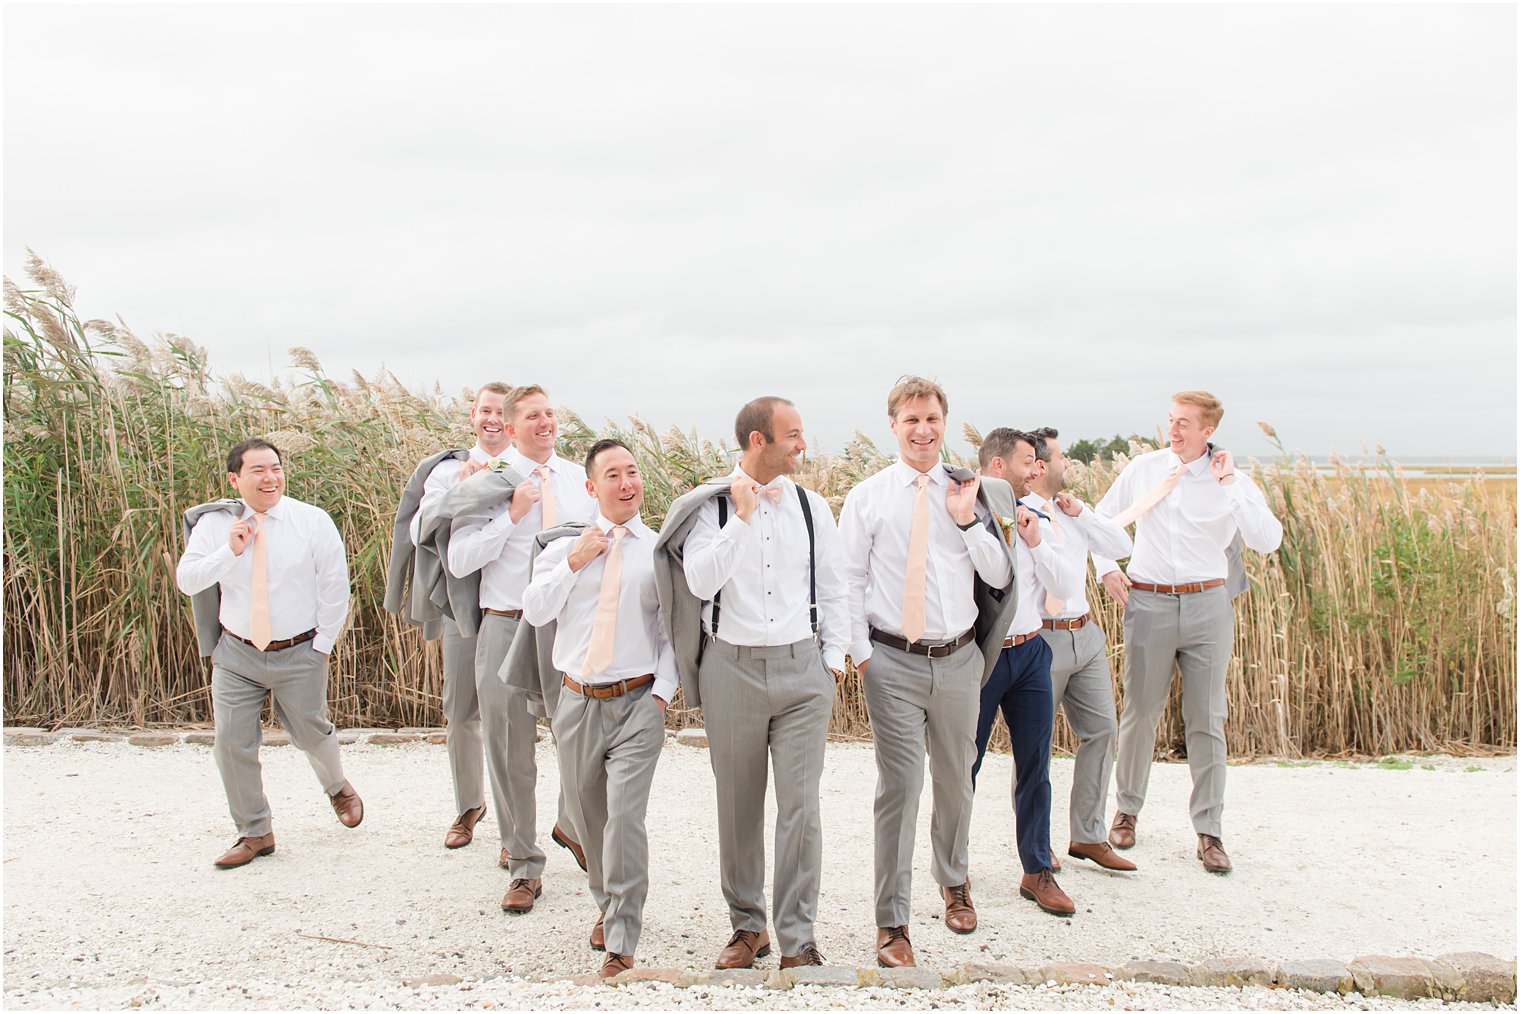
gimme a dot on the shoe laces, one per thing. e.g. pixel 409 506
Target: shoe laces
pixel 1124 820
pixel 812 955
pixel 1211 842
pixel 1047 878
pixel 895 933
pixel 743 936
pixel 961 894
pixel 522 882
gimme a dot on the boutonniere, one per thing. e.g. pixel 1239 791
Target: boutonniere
pixel 1007 525
pixel 497 465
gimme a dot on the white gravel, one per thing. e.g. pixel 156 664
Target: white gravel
pixel 111 899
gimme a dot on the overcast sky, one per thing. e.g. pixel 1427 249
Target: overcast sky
pixel 1063 213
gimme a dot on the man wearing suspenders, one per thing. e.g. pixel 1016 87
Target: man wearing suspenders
pixel 770 655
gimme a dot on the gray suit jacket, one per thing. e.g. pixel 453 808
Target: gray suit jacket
pixel 458 598
pixel 400 574
pixel 994 606
pixel 206 605
pixel 680 610
pixel 529 665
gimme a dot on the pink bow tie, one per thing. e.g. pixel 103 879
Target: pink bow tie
pixel 771 493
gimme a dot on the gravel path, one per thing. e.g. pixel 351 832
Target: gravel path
pixel 111 899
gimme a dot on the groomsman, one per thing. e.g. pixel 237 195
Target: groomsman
pixel 498 542
pixel 272 570
pixel 1188 503
pixel 1020 684
pixel 461 702
pixel 618 675
pixel 763 557
pixel 1080 678
pixel 931 590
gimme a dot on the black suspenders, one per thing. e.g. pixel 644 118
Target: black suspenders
pixel 807 518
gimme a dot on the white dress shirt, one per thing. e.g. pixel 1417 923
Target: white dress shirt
pixel 875 525
pixel 307 571
pixel 570 597
pixel 443 477
pixel 1183 538
pixel 493 544
pixel 1041 569
pixel 762 569
pixel 1088 532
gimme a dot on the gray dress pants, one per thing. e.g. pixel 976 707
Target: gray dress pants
pixel 241 678
pixel 461 709
pixel 913 700
pixel 511 739
pixel 607 755
pixel 1081 681
pixel 1163 634
pixel 776 700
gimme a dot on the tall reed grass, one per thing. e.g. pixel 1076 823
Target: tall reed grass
pixel 1385 623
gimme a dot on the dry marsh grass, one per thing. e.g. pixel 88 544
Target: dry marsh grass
pixel 1386 622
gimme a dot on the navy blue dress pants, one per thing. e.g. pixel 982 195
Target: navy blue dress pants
pixel 1020 685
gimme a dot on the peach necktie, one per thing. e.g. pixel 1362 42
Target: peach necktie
pixel 918 565
pixel 604 627
pixel 1153 496
pixel 258 588
pixel 550 515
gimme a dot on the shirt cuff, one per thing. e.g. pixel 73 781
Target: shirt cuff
pixel 323 643
pixel 834 659
pixel 861 652
pixel 664 688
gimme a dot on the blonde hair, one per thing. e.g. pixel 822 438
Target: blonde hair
pixel 1212 407
pixel 495 387
pixel 910 387
pixel 517 396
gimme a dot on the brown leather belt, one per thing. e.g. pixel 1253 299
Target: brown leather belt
pixel 1018 639
pixel 511 614
pixel 1080 621
pixel 919 647
pixel 607 691
pixel 290 642
pixel 1179 589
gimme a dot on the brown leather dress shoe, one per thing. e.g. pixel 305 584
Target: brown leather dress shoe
pixel 893 950
pixel 565 841
pixel 1042 889
pixel 960 914
pixel 245 850
pixel 809 955
pixel 1055 860
pixel 599 935
pixel 1121 833
pixel 616 963
pixel 743 948
pixel 521 895
pixel 462 831
pixel 506 857
pixel 347 805
pixel 1101 853
pixel 1211 851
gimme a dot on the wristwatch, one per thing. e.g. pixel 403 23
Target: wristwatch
pixel 968 525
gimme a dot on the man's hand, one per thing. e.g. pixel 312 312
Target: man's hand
pixel 1069 504
pixel 838 675
pixel 588 546
pixel 523 498
pixel 960 501
pixel 746 497
pixel 239 535
pixel 660 701
pixel 469 468
pixel 1117 585
pixel 1029 526
pixel 1223 466
pixel 860 667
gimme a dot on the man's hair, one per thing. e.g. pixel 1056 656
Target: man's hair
pixel 495 387
pixel 1213 408
pixel 909 387
pixel 517 396
pixel 605 444
pixel 1041 442
pixel 757 416
pixel 1000 443
pixel 235 456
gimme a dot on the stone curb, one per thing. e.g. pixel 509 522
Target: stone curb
pixel 1471 976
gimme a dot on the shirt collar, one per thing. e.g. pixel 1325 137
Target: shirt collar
pixel 908 475
pixel 478 453
pixel 527 466
pixel 635 525
pixel 1197 466
pixel 1036 501
pixel 277 511
pixel 779 480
